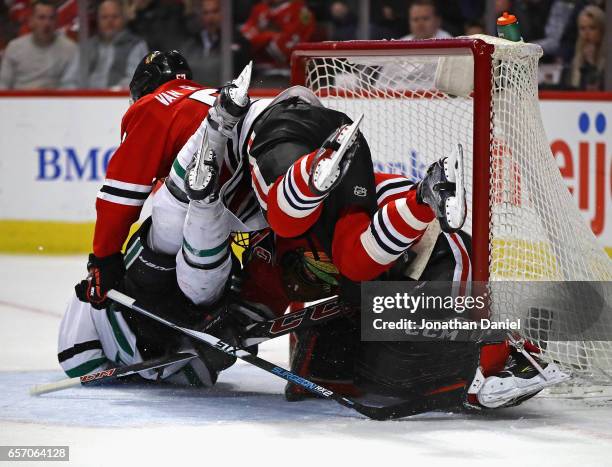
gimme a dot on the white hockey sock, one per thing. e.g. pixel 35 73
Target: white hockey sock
pixel 204 263
pixel 168 217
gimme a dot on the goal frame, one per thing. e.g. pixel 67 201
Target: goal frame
pixel 482 54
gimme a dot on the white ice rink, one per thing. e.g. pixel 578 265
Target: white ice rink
pixel 245 421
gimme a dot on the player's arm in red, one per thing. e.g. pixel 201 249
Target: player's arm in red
pixel 129 177
pixel 129 180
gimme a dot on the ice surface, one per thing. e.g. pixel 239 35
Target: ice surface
pixel 244 420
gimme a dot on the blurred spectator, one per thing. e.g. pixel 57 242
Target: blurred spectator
pixel 424 21
pixel 570 35
pixel 472 10
pixel 66 16
pixel 473 27
pixel 451 16
pixel 343 22
pixel 555 20
pixel 161 24
pixel 39 59
pixel 8 29
pixel 588 65
pixel 112 54
pixel 418 74
pixel 275 27
pixel 387 23
pixel 203 50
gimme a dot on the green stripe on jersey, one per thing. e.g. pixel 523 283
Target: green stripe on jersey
pixel 208 252
pixel 85 368
pixel 178 168
pixel 119 336
pixel 132 253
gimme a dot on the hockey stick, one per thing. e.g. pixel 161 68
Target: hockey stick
pixel 104 376
pixel 311 315
pixel 403 409
pixel 255 333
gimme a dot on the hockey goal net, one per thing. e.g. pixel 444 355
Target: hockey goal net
pixel 421 98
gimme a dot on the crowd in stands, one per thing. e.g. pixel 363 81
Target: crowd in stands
pixel 38 38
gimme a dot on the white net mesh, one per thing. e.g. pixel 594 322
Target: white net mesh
pixel 535 229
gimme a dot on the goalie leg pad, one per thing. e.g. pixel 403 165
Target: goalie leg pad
pixel 325 354
pixel 403 369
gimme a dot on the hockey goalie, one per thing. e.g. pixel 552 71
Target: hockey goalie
pixel 306 172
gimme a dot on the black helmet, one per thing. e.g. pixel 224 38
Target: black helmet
pixel 155 69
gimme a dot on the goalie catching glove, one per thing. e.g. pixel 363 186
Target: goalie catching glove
pixel 104 274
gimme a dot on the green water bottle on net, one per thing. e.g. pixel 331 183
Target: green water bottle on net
pixel 508 27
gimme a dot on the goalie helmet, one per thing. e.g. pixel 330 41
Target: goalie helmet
pixel 155 69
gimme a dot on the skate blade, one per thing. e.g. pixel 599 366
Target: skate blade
pixel 456 207
pixel 349 137
pixel 199 177
pixel 240 93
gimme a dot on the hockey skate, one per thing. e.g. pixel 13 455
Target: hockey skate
pixel 523 376
pixel 232 103
pixel 443 189
pixel 202 174
pixel 334 158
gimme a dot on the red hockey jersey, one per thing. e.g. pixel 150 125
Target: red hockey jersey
pixel 153 131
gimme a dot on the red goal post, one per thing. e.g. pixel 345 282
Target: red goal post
pixel 482 54
pixel 421 97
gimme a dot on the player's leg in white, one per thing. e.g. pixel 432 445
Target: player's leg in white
pixel 443 189
pixel 229 107
pixel 170 202
pixel 169 208
pixel 92 340
pixel 79 348
pixel 204 262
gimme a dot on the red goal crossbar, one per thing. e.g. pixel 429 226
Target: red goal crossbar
pixel 482 111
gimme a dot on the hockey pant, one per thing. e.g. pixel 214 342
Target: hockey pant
pixel 93 340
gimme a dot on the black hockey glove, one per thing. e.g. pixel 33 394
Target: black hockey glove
pixel 104 274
